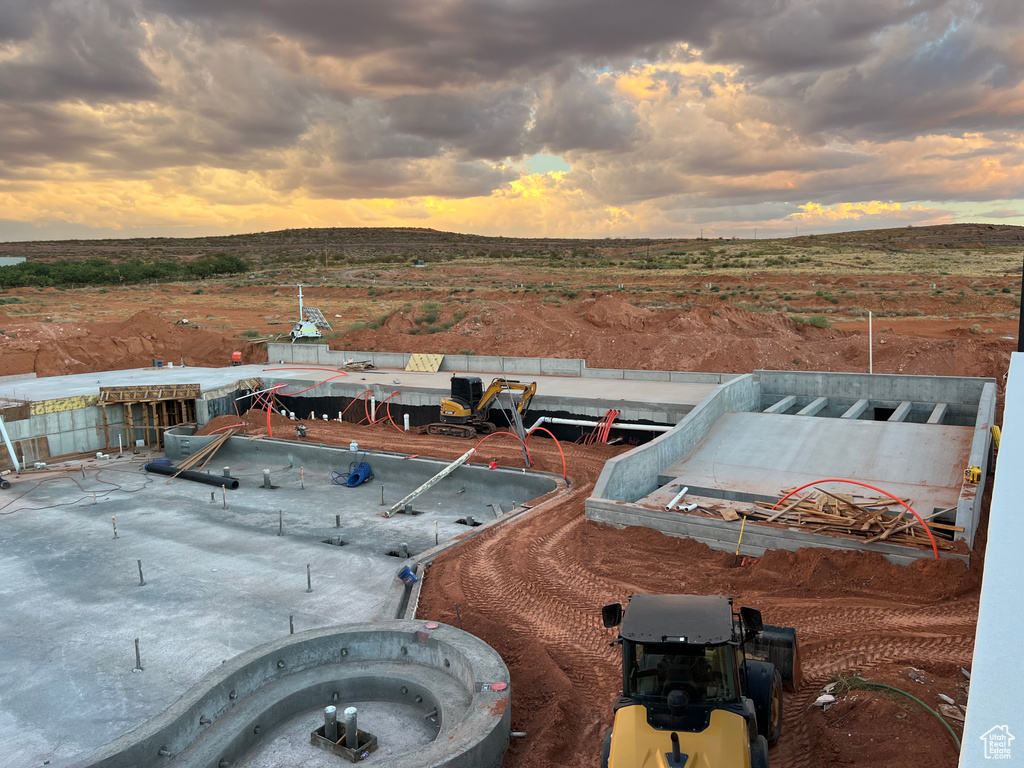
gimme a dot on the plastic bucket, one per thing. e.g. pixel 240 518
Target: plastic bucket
pixel 407 576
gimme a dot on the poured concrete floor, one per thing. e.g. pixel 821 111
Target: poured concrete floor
pixel 762 453
pixel 218 582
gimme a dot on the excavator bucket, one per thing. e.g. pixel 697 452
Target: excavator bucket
pixel 779 646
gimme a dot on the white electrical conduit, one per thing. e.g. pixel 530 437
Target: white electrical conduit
pixel 586 423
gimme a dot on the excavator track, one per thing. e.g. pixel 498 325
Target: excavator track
pixel 465 431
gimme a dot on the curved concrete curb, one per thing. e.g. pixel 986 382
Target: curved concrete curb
pixel 410 662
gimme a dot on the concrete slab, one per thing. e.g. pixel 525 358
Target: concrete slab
pixel 218 582
pixel 761 453
pixel 549 387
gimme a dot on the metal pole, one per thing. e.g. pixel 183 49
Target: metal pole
pixel 351 729
pixel 291 624
pixel 309 579
pixel 331 724
pixel 138 657
pixel 280 522
pixel 113 522
pixel 142 581
pixel 871 345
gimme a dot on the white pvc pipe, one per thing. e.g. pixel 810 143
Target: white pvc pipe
pixel 678 497
pixel 10 448
pixel 406 418
pixel 586 423
pixel 373 409
pixel 871 346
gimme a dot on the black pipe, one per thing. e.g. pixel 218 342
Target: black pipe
pixel 196 477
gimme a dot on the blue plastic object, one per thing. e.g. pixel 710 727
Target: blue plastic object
pixel 357 474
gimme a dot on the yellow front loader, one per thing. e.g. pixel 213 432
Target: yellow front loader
pixel 701 685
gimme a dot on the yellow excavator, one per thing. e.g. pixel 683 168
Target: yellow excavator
pixel 467 411
pixel 701 684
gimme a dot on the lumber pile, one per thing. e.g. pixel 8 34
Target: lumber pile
pixel 867 518
pixel 205 453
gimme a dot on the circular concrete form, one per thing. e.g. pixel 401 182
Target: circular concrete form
pixel 442 673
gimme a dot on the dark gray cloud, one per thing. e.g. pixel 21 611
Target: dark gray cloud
pixel 464 41
pixel 580 114
pixel 88 50
pixel 488 125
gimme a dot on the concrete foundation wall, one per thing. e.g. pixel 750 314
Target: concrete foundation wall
pixel 502 485
pixel 74 431
pixel 954 390
pixel 968 510
pixel 575 407
pixel 224 716
pixel 723 536
pixel 633 475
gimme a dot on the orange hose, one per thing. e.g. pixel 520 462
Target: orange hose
pixel 542 429
pixel 529 461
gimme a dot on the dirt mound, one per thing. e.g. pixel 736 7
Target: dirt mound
pixel 610 333
pixel 54 349
pixel 609 312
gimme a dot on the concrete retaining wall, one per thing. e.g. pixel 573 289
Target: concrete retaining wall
pixel 757 538
pixel 536 366
pixel 393 661
pixel 633 475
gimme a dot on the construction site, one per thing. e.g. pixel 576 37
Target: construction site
pixel 212 559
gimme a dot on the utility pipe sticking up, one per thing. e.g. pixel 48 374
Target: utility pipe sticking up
pixel 351 729
pixel 331 724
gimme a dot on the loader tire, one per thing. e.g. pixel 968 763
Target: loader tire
pixel 759 753
pixel 606 748
pixel 765 689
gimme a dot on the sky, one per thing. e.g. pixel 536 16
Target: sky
pixel 529 118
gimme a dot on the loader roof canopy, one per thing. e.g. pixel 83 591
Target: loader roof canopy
pixel 695 619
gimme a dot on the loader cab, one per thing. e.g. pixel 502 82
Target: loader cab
pixel 467 391
pixel 680 659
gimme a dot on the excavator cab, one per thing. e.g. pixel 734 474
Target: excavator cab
pixel 697 683
pixel 467 392
pixel 467 410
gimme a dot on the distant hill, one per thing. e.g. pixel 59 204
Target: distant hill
pixel 369 243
